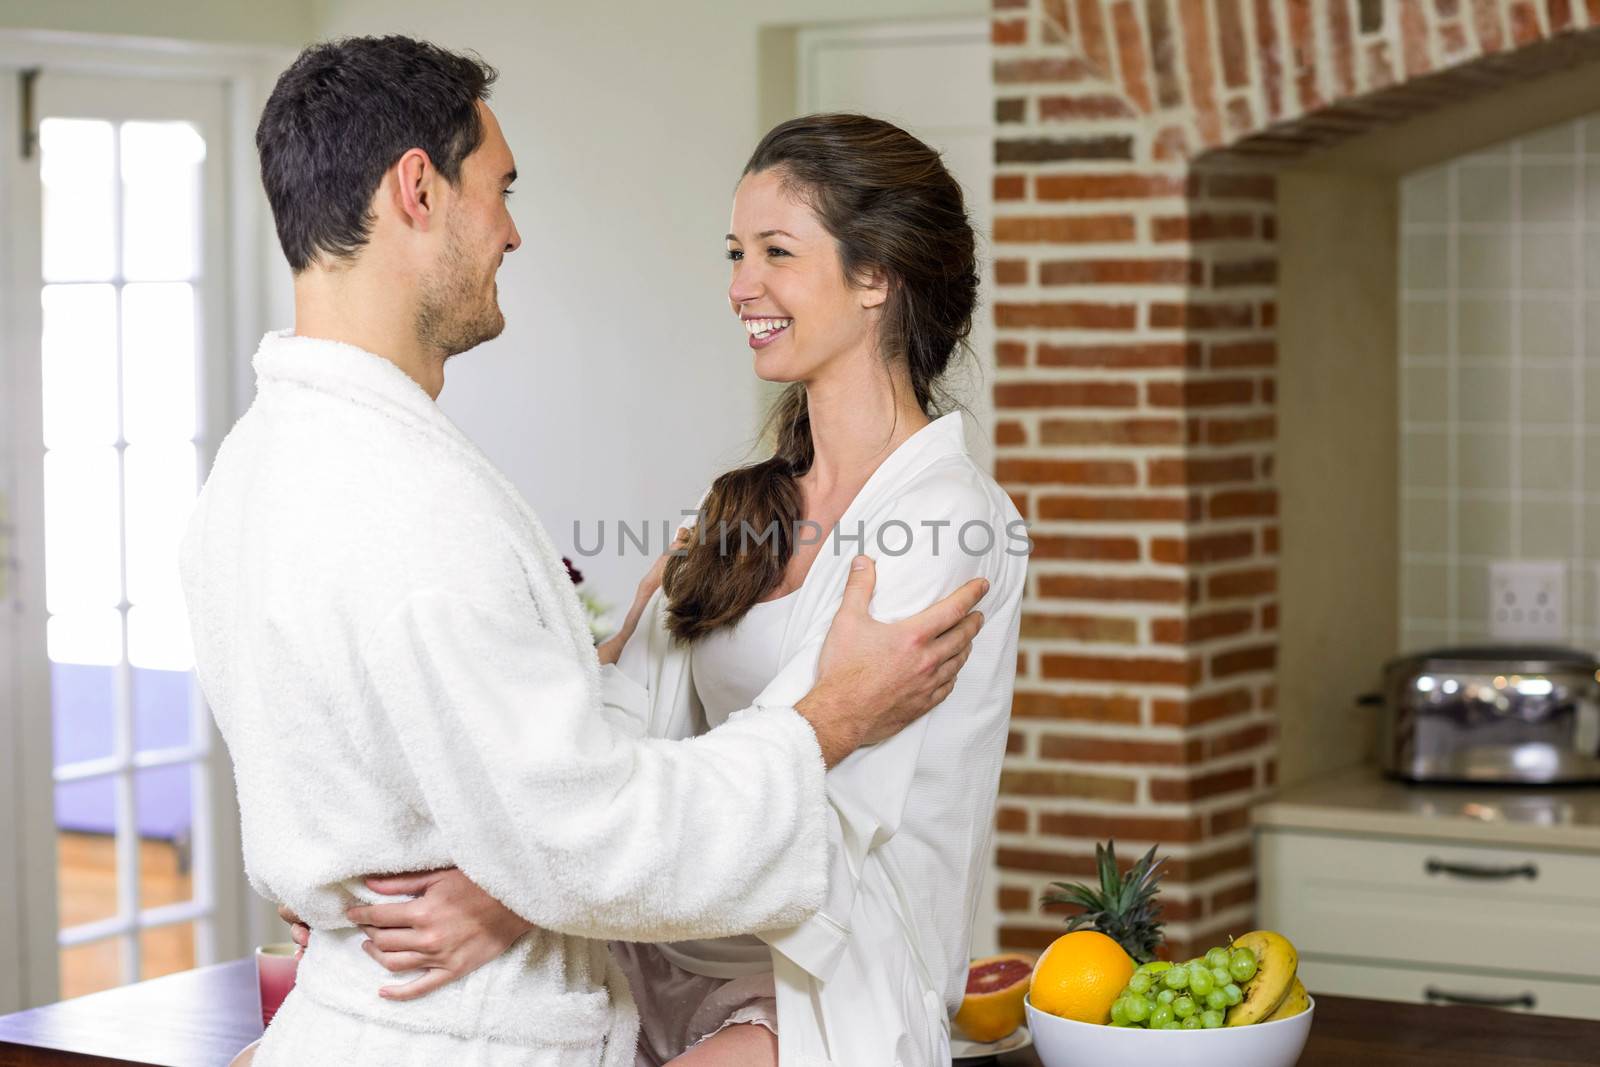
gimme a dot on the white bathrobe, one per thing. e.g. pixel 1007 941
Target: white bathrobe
pixel 872 978
pixel 396 658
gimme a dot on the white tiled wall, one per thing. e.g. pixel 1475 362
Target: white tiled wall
pixel 1500 379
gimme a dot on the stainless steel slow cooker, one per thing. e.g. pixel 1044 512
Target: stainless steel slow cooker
pixel 1507 713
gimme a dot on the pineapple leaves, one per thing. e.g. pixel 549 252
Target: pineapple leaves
pixel 1125 909
pixel 1105 857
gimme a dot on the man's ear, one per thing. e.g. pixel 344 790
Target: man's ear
pixel 416 188
pixel 874 288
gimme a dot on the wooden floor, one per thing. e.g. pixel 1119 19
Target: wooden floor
pixel 87 890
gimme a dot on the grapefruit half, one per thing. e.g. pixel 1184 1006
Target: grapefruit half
pixel 992 1008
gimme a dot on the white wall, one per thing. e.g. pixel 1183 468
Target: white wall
pixel 622 383
pixel 220 21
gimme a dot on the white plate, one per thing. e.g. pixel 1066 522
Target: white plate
pixel 240 1058
pixel 963 1049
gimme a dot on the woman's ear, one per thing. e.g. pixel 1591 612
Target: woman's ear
pixel 874 288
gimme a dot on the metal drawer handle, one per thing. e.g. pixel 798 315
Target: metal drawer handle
pixel 1473 870
pixel 1478 1000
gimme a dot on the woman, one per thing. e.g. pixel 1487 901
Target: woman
pixel 854 275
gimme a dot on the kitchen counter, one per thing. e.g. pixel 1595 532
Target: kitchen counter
pixel 1348 1032
pixel 198 1018
pixel 1361 801
pixel 201 1018
pixel 1460 894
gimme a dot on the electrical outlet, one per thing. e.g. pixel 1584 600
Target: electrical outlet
pixel 1528 599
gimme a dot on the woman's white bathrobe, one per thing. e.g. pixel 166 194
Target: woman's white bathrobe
pixel 395 656
pixel 871 979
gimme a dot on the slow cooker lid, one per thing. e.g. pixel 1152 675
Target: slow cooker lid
pixel 1506 655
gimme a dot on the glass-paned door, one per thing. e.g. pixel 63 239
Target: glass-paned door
pixel 131 177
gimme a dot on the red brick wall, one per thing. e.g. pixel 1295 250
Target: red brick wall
pixel 1135 304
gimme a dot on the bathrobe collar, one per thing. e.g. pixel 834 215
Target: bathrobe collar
pixel 944 436
pixel 940 439
pixel 344 369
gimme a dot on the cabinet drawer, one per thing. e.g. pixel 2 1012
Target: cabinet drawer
pixel 1542 996
pixel 1432 904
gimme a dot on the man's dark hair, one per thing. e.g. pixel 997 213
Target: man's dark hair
pixel 340 117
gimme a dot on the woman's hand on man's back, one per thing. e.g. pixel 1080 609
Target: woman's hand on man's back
pixel 450 930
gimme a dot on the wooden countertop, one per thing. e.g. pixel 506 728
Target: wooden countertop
pixel 198 1018
pixel 1348 1032
pixel 202 1018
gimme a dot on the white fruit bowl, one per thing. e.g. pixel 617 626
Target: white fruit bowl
pixel 1064 1043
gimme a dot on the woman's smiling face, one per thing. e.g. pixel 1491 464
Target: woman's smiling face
pixel 788 286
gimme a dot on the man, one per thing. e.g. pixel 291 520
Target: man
pixel 396 658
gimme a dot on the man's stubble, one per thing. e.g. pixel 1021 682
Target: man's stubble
pixel 453 316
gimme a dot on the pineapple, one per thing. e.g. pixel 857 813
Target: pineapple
pixel 1124 909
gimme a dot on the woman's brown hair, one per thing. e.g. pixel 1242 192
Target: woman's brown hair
pixel 893 211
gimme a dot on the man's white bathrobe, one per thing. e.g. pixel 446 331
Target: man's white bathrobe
pixel 871 979
pixel 396 658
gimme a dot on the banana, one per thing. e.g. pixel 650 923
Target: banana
pixel 1276 962
pixel 1296 1002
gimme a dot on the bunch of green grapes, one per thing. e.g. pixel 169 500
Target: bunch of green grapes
pixel 1185 996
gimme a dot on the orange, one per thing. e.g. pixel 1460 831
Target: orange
pixel 992 1008
pixel 1079 977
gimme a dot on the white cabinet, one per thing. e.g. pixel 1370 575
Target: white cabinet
pixel 1513 992
pixel 1420 919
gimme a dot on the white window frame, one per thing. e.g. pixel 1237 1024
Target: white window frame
pixel 28 920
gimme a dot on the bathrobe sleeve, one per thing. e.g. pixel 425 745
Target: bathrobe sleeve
pixel 867 792
pixel 650 688
pixel 569 820
pixel 625 702
pixel 653 679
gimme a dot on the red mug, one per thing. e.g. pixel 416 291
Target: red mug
pixel 275 970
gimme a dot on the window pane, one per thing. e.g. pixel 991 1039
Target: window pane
pixel 166 950
pixel 166 826
pixel 158 371
pixel 76 169
pixel 91 968
pixel 160 492
pixel 86 888
pixel 83 708
pixel 158 637
pixel 80 365
pixel 82 550
pixel 90 637
pixel 161 199
pixel 161 709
